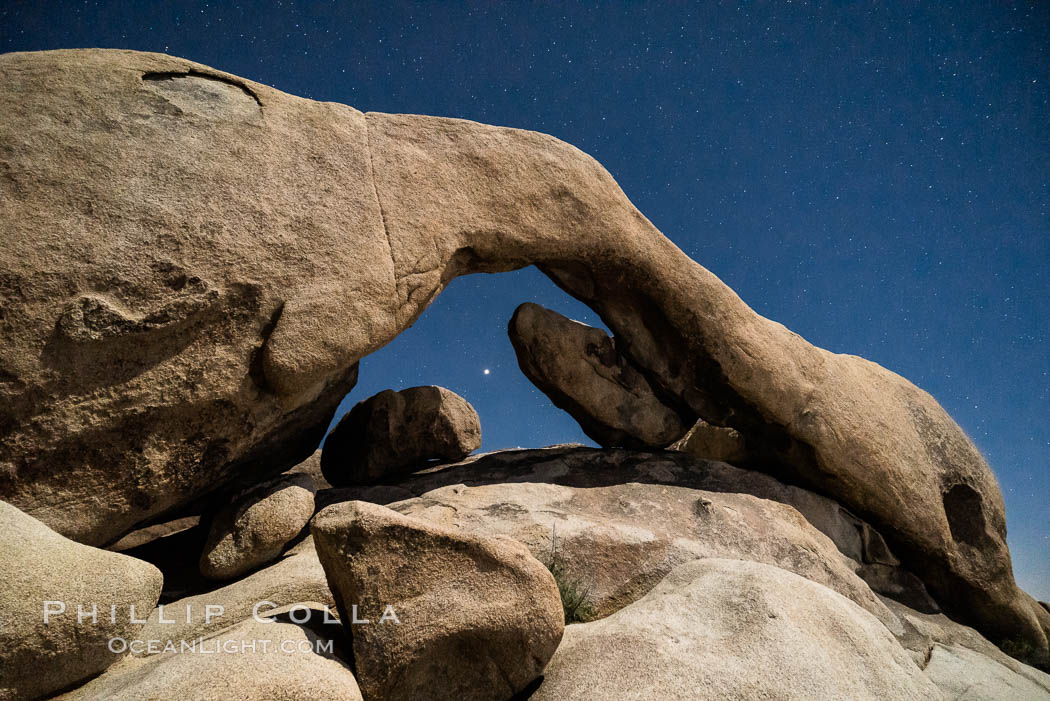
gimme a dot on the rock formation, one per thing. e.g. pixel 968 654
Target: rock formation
pixel 620 521
pixel 256 526
pixel 270 661
pixel 477 618
pixel 577 366
pixel 396 432
pixel 194 263
pixel 732 629
pixel 60 604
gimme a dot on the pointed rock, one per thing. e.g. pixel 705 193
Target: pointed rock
pixel 477 618
pixel 579 368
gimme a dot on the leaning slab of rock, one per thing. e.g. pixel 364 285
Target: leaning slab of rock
pixel 61 603
pixel 713 443
pixel 579 368
pixel 257 525
pixel 396 432
pixel 298 576
pixel 923 632
pixel 149 534
pixel 732 629
pixel 278 660
pixel 478 617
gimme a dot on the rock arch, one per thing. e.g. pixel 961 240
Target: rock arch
pixel 343 226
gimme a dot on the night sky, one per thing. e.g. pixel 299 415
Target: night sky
pixel 877 178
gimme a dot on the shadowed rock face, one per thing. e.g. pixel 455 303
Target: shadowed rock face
pixel 397 432
pixel 193 263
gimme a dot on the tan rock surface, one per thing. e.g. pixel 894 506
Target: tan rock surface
pixel 37 566
pixel 193 263
pixel 393 433
pixel 478 617
pixel 714 443
pixel 623 520
pixel 733 629
pixel 964 674
pixel 257 526
pixel 274 661
pixel 923 632
pixel 577 366
pixel 158 224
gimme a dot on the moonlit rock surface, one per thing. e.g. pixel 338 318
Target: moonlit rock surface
pixel 193 264
pixel 38 565
pixel 732 629
pixel 392 433
pixel 479 617
pixel 257 525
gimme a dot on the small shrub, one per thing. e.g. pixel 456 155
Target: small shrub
pixel 575 598
pixel 1016 648
pixel 1022 650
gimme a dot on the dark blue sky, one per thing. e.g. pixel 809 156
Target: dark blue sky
pixel 877 178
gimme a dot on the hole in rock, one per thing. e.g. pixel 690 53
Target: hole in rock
pixel 962 506
pixel 462 334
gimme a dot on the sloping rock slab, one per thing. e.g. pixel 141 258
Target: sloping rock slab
pixel 48 581
pixel 924 632
pixel 260 661
pixel 964 674
pixel 732 629
pixel 622 519
pixel 298 576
